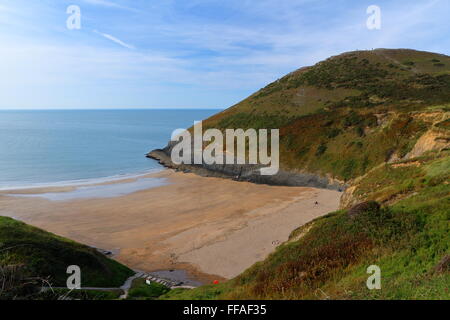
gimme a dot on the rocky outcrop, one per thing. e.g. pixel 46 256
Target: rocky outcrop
pixel 433 139
pixel 246 172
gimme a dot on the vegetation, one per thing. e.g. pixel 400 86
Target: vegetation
pixel 60 294
pixel 33 255
pixel 328 258
pixel 349 113
pixel 142 291
pixel 357 117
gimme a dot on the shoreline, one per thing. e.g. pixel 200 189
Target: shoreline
pixel 192 223
pixel 248 173
pixel 64 185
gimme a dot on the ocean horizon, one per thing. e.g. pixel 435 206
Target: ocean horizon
pixel 49 147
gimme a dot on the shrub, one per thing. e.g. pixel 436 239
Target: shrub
pixel 367 206
pixel 144 290
pixel 321 149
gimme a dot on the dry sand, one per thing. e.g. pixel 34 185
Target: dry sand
pixel 212 227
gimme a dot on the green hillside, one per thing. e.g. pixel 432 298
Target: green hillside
pixel 29 254
pixel 349 113
pixel 378 120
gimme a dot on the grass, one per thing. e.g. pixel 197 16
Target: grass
pixel 350 113
pixel 45 255
pixel 392 182
pixel 142 291
pixel 56 294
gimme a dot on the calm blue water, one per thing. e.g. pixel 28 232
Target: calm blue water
pixel 47 147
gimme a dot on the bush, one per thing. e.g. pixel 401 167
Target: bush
pixel 367 206
pixel 333 133
pixel 360 131
pixel 321 149
pixel 144 290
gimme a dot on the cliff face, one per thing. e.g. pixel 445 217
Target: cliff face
pixel 248 173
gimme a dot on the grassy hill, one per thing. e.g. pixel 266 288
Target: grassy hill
pixel 349 113
pixel 378 120
pixel 28 253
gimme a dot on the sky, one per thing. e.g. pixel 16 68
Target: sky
pixel 189 54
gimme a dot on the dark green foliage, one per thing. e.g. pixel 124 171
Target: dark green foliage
pixel 352 119
pixel 350 165
pixel 46 255
pixel 321 149
pixel 366 206
pixel 247 120
pixel 360 131
pixel 141 290
pixel 333 133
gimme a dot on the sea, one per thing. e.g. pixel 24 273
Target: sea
pixel 41 148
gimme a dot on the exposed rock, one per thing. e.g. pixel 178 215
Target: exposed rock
pixel 247 172
pixel 348 199
pixel 431 140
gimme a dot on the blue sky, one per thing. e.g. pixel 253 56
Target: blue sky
pixel 196 53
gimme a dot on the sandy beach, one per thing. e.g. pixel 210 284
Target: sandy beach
pixel 213 228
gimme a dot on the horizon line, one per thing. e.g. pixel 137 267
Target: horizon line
pixel 121 108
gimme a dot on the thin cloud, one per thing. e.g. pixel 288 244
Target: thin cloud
pixel 110 4
pixel 116 40
pixel 220 50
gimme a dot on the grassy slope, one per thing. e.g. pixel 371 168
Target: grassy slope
pixel 142 291
pixel 328 257
pixel 345 117
pixel 44 254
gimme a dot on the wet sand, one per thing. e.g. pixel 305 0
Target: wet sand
pixel 213 228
